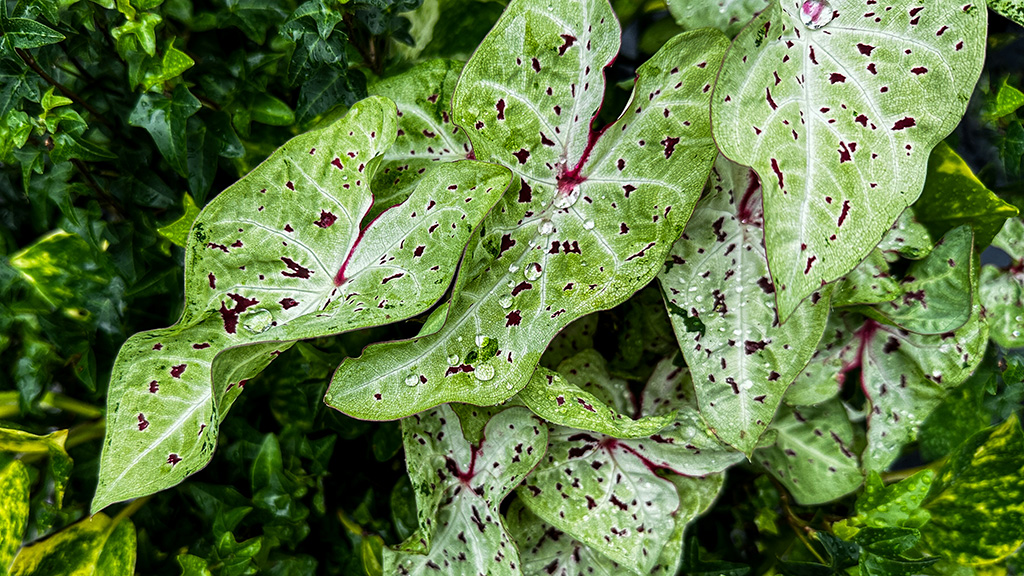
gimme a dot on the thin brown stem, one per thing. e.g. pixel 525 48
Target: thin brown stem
pixel 31 62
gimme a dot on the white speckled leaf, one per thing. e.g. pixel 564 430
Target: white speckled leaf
pixel 574 338
pixel 813 453
pixel 277 257
pixel 936 291
pixel 547 551
pixel 426 134
pixel 825 374
pixel 459 487
pixel 742 360
pixel 838 117
pixel 907 238
pixel 603 491
pixel 868 283
pixel 729 16
pixel 1002 290
pixel 594 216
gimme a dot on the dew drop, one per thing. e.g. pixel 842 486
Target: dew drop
pixel 484 372
pixel 698 298
pixel 816 14
pixel 533 271
pixel 1019 318
pixel 588 225
pixel 512 268
pixel 453 359
pixel 412 379
pixel 565 200
pixel 505 301
pixel 258 321
pixel 547 227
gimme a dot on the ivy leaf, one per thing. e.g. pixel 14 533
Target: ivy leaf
pixel 26 33
pixel 94 546
pixel 459 488
pixel 166 120
pixel 561 246
pixel 975 499
pixel 836 108
pixel 279 256
pixel 937 291
pixel 426 134
pixel 564 398
pixel 545 549
pixel 1011 149
pixel 327 88
pixel 14 493
pixel 603 491
pixel 729 16
pixel 953 195
pixel 813 453
pixel 744 360
pixel 1002 291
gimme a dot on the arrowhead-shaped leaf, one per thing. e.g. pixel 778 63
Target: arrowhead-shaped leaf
pixel 459 488
pixel 743 360
pixel 975 500
pixel 277 257
pixel 603 491
pixel 1002 290
pixel 836 106
pixel 591 222
pixel 813 455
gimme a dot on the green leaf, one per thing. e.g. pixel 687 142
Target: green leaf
pixel 1007 100
pixel 1002 291
pixel 838 119
pixel 137 34
pixel 52 444
pixel 459 488
pixel 177 231
pixel 94 546
pixel 564 398
pixel 267 109
pixel 14 493
pixel 172 65
pixel 327 88
pixel 603 491
pixel 813 454
pixel 561 246
pixel 895 506
pixel 825 373
pixel 166 120
pixel 717 271
pixel 50 101
pixel 953 195
pixel 279 256
pixel 25 33
pixel 1012 9
pixel 959 416
pixel 868 283
pixel 729 16
pixel 907 238
pixel 977 516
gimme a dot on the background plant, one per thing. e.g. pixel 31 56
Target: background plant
pixel 120 120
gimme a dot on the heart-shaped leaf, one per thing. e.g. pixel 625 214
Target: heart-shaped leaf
pixel 603 491
pixel 825 374
pixel 729 16
pixel 1002 290
pixel 277 257
pixel 743 360
pixel 459 488
pixel 813 455
pixel 836 106
pixel 590 224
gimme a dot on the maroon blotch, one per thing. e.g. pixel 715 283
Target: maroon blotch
pixel 906 122
pixel 670 145
pixel 143 423
pixel 296 270
pixel 287 303
pixel 500 106
pixel 326 219
pixel 569 41
pixel 513 318
pixel 523 155
pixel 173 459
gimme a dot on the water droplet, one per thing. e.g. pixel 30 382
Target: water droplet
pixel 453 359
pixel 484 372
pixel 533 271
pixel 505 301
pixel 547 227
pixel 257 321
pixel 588 225
pixel 512 268
pixel 412 379
pixel 565 200
pixel 1016 333
pixel 698 298
pixel 816 14
pixel 1019 318
pixel 344 177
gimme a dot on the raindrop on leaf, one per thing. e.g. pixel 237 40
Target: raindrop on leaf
pixel 533 271
pixel 412 380
pixel 484 372
pixel 546 227
pixel 816 14
pixel 257 321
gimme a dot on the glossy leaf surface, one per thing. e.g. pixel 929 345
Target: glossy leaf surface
pixel 277 257
pixel 14 493
pixel 836 106
pixel 52 445
pixel 93 546
pixel 729 16
pixel 591 221
pixel 459 487
pixel 742 360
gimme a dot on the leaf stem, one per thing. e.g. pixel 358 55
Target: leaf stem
pixel 31 62
pixel 897 475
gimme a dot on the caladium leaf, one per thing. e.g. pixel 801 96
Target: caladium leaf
pixel 567 398
pixel 603 491
pixel 825 374
pixel 717 272
pixel 277 257
pixel 546 550
pixel 868 283
pixel 426 134
pixel 459 487
pixel 1002 290
pixel 936 293
pixel 729 16
pixel 836 106
pixel 813 455
pixel 590 224
pixel 907 238
pixel 975 500
pixel 574 338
